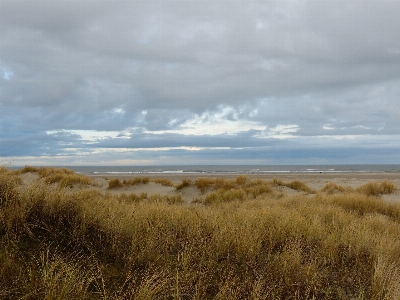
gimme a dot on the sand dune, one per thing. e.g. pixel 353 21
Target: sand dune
pixel 189 193
pixel 314 181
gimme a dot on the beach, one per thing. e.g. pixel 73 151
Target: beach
pixel 316 181
pixel 297 235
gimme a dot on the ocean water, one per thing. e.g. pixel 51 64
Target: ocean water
pixel 202 169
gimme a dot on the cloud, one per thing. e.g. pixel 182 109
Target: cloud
pixel 158 74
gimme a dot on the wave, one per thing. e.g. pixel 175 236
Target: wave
pixel 286 169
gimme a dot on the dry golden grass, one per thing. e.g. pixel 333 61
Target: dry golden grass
pixel 28 169
pixel 369 189
pixel 257 189
pixel 3 170
pixel 241 180
pixel 376 189
pixel 222 195
pixel 163 181
pixel 63 177
pixel 131 198
pixel 84 244
pixel 185 182
pixel 46 171
pixel 136 180
pixel 332 188
pixel 114 183
pixel 203 184
pixel 295 185
pixel 68 180
pixel 299 186
pixel 169 199
pixel 277 182
pixel 225 184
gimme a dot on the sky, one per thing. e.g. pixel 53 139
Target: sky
pixel 199 82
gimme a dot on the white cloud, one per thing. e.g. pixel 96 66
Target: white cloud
pixel 91 135
pixel 279 132
pixel 225 121
pixel 328 127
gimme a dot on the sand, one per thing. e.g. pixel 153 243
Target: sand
pixel 315 181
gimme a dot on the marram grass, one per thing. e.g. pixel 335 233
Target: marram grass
pixel 61 243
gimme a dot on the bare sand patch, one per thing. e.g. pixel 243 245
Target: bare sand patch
pixel 191 193
pixel 28 178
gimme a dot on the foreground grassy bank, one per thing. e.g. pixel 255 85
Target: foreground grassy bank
pixel 243 240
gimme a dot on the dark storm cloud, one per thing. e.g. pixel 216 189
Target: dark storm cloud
pixel 143 140
pixel 36 144
pixel 331 68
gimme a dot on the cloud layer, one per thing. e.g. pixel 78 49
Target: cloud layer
pixel 182 82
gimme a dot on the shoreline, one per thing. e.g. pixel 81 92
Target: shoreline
pixel 292 176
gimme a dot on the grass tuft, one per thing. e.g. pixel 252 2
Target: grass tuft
pixel 156 198
pixel 47 171
pixel 224 184
pixel 221 196
pixel 185 182
pixel 277 182
pixel 114 183
pixel 136 180
pixel 164 182
pixel 203 184
pixel 376 189
pixel 68 180
pixel 241 180
pixel 332 188
pixel 299 186
pixel 28 169
pixel 295 185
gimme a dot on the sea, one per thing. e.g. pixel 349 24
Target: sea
pixel 234 169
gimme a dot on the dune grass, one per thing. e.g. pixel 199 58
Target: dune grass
pixel 28 169
pixel 136 180
pixel 185 182
pixel 164 182
pixel 376 189
pixel 203 184
pixel 369 189
pixel 61 243
pixel 114 183
pixel 333 188
pixel 295 185
pixel 62 176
